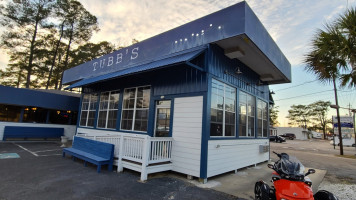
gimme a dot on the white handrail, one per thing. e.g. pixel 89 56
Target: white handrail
pixel 138 148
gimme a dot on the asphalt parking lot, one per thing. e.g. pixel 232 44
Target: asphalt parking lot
pixel 40 172
pixel 36 170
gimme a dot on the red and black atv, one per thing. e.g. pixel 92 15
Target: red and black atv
pixel 289 182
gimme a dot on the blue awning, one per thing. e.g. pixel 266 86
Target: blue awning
pixel 172 59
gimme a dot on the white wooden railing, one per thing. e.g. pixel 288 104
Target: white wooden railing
pixel 139 149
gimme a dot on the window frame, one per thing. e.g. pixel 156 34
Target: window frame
pixel 169 107
pixel 263 120
pixel 135 109
pixel 253 135
pixel 223 110
pixel 108 109
pixel 88 110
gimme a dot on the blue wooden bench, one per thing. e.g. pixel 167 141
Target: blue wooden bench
pixel 98 153
pixel 32 132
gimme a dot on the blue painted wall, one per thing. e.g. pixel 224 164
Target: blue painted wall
pixel 218 64
pixel 180 79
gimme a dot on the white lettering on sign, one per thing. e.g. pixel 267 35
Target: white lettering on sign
pixel 110 61
pixel 134 53
pixel 118 58
pixel 101 64
pixel 94 65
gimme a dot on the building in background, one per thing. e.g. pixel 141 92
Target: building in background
pixel 38 108
pixel 300 133
pixel 204 86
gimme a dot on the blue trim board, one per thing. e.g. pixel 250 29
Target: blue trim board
pixel 97 110
pixel 237 114
pixel 119 112
pixel 171 118
pixel 151 115
pixel 205 132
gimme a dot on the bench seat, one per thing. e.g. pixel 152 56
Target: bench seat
pixel 95 152
pixel 32 132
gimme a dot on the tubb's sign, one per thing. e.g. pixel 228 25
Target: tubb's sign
pixel 115 59
pixel 227 23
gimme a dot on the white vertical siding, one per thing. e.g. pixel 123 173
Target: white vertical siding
pixel 228 155
pixel 186 133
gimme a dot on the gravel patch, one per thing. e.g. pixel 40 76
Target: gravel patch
pixel 341 191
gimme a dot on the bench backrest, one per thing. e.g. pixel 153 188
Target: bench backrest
pixel 32 132
pixel 102 149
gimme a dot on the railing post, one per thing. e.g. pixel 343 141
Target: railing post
pixel 145 157
pixel 120 167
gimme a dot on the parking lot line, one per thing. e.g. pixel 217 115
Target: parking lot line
pixel 33 153
pixel 46 150
pixel 50 155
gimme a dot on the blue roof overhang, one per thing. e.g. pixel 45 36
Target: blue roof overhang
pixel 236 29
pixel 39 98
pixel 171 60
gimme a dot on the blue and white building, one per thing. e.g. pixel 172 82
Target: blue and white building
pixel 194 99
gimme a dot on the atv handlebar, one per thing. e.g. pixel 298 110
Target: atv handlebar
pixel 279 155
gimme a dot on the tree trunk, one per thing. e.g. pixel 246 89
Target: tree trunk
pixel 67 57
pixel 32 48
pixel 54 56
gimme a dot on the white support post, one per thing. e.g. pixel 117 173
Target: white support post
pixel 235 171
pixel 203 180
pixel 145 157
pixel 120 167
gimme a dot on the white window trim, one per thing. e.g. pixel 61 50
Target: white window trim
pixel 262 109
pixel 107 110
pixel 88 110
pixel 223 125
pixel 134 110
pixel 247 121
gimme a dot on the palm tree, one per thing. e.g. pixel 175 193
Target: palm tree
pixel 325 61
pixel 347 26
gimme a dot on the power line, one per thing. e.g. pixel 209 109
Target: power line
pixel 343 93
pixel 304 95
pixel 296 85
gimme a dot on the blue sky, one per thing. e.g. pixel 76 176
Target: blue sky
pixel 291 23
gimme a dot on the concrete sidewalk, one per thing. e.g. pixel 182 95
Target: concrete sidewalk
pixel 242 183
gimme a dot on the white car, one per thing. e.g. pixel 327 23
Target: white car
pixel 345 141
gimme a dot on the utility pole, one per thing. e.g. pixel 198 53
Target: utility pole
pixel 353 123
pixel 338 118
